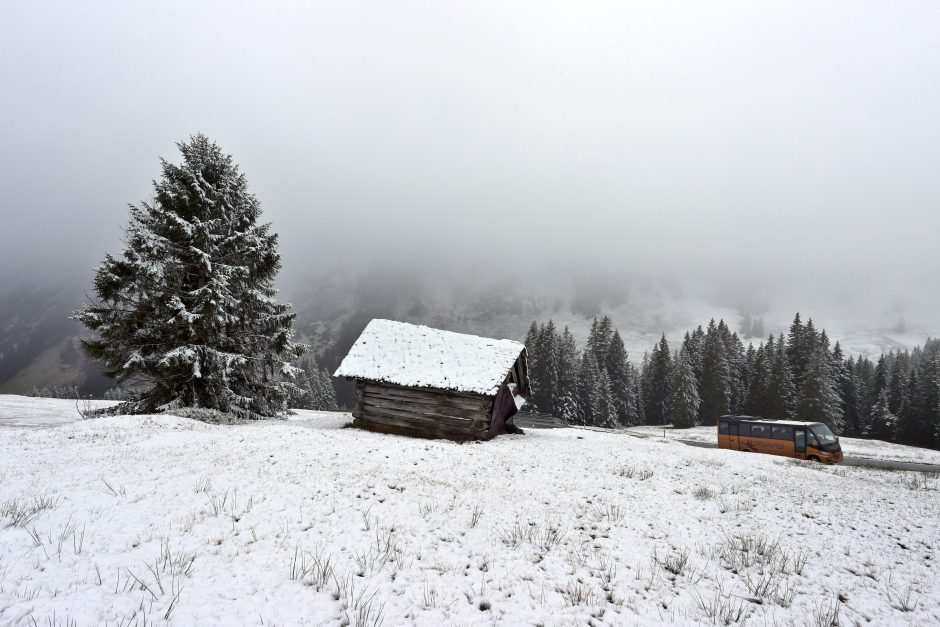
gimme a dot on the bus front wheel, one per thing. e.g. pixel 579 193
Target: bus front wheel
pixel 813 458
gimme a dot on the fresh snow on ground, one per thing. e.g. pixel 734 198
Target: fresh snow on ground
pixel 165 520
pixel 852 447
pixel 25 411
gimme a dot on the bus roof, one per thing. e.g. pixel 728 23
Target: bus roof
pixel 796 423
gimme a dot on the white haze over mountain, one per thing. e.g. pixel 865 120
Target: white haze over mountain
pixel 768 157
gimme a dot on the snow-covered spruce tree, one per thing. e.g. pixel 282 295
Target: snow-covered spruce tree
pixel 715 390
pixel 604 413
pixel 533 360
pixel 897 383
pixel 188 311
pixel 568 367
pixel 588 382
pixel 737 368
pixel 782 394
pixel 684 401
pixel 549 355
pixel 621 388
pixel 850 400
pixel 660 382
pixel 883 423
pixel 927 405
pixel 323 394
pixel 797 352
pixel 758 393
pixel 818 401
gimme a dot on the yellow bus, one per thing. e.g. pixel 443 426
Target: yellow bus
pixel 790 438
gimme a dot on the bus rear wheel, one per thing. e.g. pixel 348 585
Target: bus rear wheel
pixel 813 458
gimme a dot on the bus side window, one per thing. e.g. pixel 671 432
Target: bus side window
pixel 781 432
pixel 723 428
pixel 760 431
pixel 745 430
pixel 800 440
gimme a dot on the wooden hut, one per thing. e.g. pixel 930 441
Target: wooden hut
pixel 418 381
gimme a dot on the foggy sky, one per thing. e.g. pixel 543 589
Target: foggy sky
pixel 797 142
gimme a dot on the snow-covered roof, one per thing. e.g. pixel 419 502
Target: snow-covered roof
pixel 418 356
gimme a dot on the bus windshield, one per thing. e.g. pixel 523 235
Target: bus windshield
pixel 823 434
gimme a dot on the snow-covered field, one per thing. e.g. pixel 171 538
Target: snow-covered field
pixel 159 519
pixel 25 411
pixel 852 447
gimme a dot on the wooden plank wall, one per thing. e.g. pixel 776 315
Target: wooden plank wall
pixel 519 375
pixel 428 413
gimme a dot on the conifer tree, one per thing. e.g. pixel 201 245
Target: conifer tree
pixel 927 405
pixel 883 423
pixel 715 389
pixel 646 383
pixel 603 411
pixel 879 381
pixel 588 382
pixel 695 344
pixel 568 372
pixel 639 403
pixel 621 388
pixel 757 330
pixel 897 386
pixel 549 346
pixel 533 362
pixel 796 350
pixel 758 395
pixel 737 367
pixel 599 339
pixel 782 391
pixel 850 400
pixel 660 382
pixel 864 377
pixel 817 401
pixel 188 311
pixel 684 401
pixel 910 429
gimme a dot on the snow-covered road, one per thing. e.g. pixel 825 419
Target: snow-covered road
pixel 164 520
pixel 852 447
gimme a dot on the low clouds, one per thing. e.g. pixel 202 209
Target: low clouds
pixel 733 144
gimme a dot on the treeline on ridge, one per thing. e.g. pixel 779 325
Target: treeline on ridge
pixel 800 376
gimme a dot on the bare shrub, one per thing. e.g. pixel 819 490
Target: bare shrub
pixel 21 513
pixel 545 536
pixel 826 613
pixel 383 550
pixel 607 511
pixel 901 598
pixel 722 609
pixel 312 568
pixel 675 563
pixel 359 604
pixel 114 490
pixel 166 575
pixel 576 592
pixel 475 515
pixel 631 471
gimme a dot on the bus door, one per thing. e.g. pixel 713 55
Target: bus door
pixel 734 433
pixel 799 442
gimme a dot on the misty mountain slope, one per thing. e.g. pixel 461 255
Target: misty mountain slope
pixel 38 343
pixel 32 320
pixel 332 312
